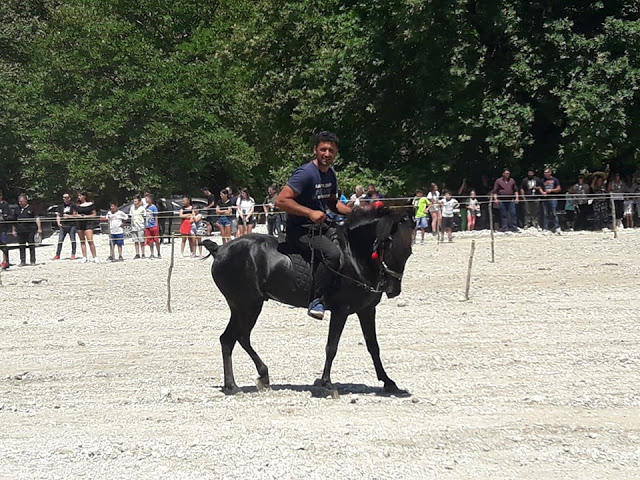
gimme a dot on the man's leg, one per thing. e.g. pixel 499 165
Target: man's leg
pixel 72 236
pixel 23 239
pixel 61 234
pixel 327 256
pixel 503 214
pixel 513 219
pixel 32 247
pixel 553 205
pixel 545 215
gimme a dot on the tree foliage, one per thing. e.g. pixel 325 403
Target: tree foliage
pixel 117 96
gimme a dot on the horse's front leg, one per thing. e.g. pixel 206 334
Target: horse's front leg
pixel 367 318
pixel 336 326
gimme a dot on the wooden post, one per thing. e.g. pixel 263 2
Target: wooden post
pixel 493 254
pixel 473 250
pixel 173 243
pixel 613 218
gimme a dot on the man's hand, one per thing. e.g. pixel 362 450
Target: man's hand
pixel 317 216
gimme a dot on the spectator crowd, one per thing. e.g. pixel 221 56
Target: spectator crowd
pixel 538 202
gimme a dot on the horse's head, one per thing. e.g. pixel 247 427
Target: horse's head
pixel 393 247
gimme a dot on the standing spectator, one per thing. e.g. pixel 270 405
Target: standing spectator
pixel 197 230
pixel 5 216
pixel 473 210
pixel 629 202
pixel 116 218
pixel 600 203
pixel 448 205
pixel 529 194
pixel 234 218
pixel 65 218
pixel 570 208
pixel 616 188
pixel 357 197
pixel 246 206
pixel 185 214
pixel 463 191
pixel 434 209
pixel 136 212
pixel 274 222
pixel 209 209
pixel 373 193
pixel 86 215
pixel 581 191
pixel 505 195
pixel 421 205
pixel 484 197
pixel 25 228
pixel 151 228
pixel 225 213
pixel 550 188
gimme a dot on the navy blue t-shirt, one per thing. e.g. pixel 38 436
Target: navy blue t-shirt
pixel 313 188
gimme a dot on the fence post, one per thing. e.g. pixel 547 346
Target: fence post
pixel 172 240
pixel 613 217
pixel 473 249
pixel 493 255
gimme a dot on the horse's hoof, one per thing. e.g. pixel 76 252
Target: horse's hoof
pixel 392 389
pixel 327 386
pixel 262 385
pixel 234 390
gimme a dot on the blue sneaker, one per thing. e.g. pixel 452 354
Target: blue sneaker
pixel 316 309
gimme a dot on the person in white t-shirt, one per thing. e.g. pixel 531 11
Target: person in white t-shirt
pixel 245 205
pixel 448 204
pixel 354 200
pixel 137 214
pixel 434 209
pixel 116 218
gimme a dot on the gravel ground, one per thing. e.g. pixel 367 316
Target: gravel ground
pixel 536 376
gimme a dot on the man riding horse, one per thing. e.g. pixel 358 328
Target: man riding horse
pixel 308 194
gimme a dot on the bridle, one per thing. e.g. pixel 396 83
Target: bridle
pixel 378 256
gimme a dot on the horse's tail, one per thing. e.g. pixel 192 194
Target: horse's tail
pixel 211 246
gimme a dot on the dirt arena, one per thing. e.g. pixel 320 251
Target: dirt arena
pixel 536 376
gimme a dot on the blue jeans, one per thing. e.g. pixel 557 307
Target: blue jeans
pixel 508 209
pixel 550 207
pixel 62 233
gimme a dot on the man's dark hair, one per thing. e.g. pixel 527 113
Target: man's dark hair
pixel 325 136
pixel 114 203
pixel 206 189
pixel 151 197
pixel 137 197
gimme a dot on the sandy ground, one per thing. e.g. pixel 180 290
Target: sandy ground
pixel 536 376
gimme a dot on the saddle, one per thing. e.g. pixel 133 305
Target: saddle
pixel 301 258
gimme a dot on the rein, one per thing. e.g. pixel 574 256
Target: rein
pixel 379 258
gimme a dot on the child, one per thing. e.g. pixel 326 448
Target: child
pixel 448 205
pixel 473 210
pixel 151 229
pixel 137 225
pixel 570 208
pixel 197 231
pixel 421 204
pixel 628 209
pixel 115 218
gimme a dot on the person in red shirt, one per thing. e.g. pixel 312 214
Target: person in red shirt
pixel 505 194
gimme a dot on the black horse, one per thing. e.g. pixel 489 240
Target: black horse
pixel 251 269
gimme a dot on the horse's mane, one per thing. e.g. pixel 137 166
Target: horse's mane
pixel 360 217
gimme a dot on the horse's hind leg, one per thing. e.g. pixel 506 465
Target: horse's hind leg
pixel 263 380
pixel 239 329
pixel 228 341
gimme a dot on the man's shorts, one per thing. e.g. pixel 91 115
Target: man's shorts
pixel 116 238
pixel 224 221
pixel 447 222
pixel 137 236
pixel 151 235
pixel 422 222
